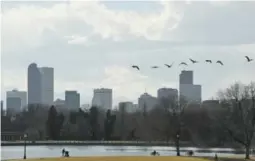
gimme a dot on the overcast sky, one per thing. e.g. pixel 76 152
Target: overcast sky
pixel 92 44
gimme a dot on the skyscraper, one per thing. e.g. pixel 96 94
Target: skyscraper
pixel 18 94
pixel 146 102
pixel 168 93
pixel 191 92
pixel 186 77
pixel 188 91
pixel 72 100
pixel 13 105
pixel 34 84
pixel 47 85
pixel 2 108
pixel 40 85
pixel 102 98
pixel 127 107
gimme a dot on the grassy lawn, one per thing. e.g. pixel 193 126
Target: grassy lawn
pixel 149 158
pixel 232 159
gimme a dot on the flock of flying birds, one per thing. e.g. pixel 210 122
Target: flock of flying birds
pixel 193 61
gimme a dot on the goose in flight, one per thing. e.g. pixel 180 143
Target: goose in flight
pixel 219 62
pixel 248 59
pixel 169 66
pixel 154 67
pixel 136 67
pixel 208 61
pixel 193 61
pixel 183 63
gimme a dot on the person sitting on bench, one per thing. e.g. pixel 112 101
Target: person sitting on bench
pixel 66 153
pixel 154 153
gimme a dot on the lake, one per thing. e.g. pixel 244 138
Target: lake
pixel 16 152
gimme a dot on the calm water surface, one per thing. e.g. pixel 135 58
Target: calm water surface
pixel 16 152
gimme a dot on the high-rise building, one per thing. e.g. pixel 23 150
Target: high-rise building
pixel 72 100
pixel 59 102
pixel 168 93
pixel 102 98
pixel 127 107
pixel 13 105
pixel 191 93
pixel 146 102
pixel 40 84
pixel 60 105
pixel 47 85
pixel 18 94
pixel 186 77
pixel 188 91
pixel 136 107
pixel 2 108
pixel 34 88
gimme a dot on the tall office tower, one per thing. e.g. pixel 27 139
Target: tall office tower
pixel 34 84
pixel 72 100
pixel 59 102
pixel 186 77
pixel 102 98
pixel 60 105
pixel 127 107
pixel 189 92
pixel 168 93
pixel 146 102
pixel 13 105
pixel 47 85
pixel 18 94
pixel 136 107
pixel 2 108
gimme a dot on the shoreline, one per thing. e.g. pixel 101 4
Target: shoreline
pixel 142 158
pixel 89 143
pixel 34 143
pixel 106 143
pixel 183 145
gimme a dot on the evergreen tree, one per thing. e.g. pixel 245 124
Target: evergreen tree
pixel 109 124
pixel 93 120
pixel 51 123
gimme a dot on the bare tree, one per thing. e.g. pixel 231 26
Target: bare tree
pixel 38 112
pixel 239 121
pixel 174 111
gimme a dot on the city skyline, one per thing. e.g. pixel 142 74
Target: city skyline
pixel 41 86
pixel 97 51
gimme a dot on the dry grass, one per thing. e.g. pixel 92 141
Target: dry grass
pixel 238 158
pixel 138 158
pixel 152 158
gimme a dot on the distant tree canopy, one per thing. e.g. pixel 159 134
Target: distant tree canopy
pixel 161 123
pixel 54 123
pixel 109 125
pixel 93 120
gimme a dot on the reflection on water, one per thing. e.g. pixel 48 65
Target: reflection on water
pixel 15 152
